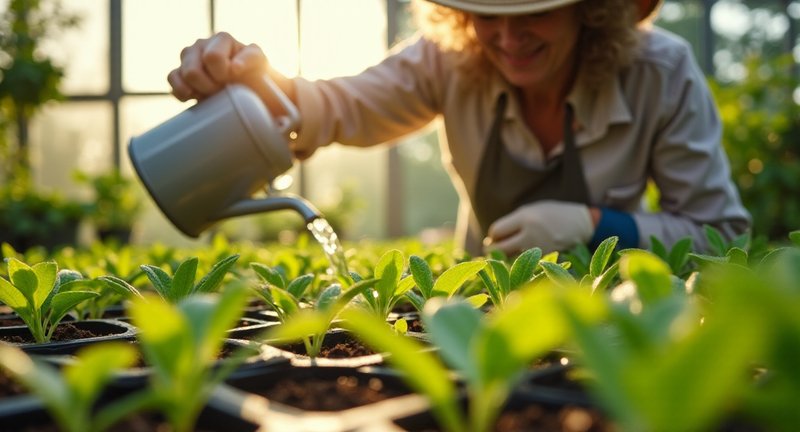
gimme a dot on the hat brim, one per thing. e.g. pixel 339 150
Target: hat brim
pixel 505 7
pixel 519 7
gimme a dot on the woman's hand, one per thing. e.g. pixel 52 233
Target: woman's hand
pixel 549 225
pixel 209 64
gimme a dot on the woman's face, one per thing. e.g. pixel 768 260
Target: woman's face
pixel 530 50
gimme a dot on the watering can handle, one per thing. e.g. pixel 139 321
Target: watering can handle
pixel 291 121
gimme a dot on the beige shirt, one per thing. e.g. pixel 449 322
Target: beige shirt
pixel 657 121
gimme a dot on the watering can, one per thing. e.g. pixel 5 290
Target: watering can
pixel 206 163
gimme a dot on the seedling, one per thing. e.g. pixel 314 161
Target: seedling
pixel 488 351
pixel 35 293
pixel 70 395
pixel 181 284
pixel 446 285
pixel 285 299
pixel 658 340
pixel 182 343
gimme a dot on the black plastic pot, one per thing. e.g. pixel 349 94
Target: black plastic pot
pixel 27 412
pixel 244 395
pixel 110 329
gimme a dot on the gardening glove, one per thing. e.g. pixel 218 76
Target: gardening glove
pixel 549 225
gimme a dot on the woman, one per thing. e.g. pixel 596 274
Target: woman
pixel 556 113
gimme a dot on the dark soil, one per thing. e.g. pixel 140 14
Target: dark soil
pixel 565 419
pixel 63 332
pixel 319 394
pixel 345 347
pixel 8 322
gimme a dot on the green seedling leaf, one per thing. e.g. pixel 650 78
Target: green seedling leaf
pixel 523 267
pixel 422 274
pixel 401 326
pixel 63 302
pixel 452 278
pixel 421 369
pixel 269 275
pixel 11 296
pixel 715 240
pixel 650 274
pixel 602 255
pixel 389 270
pixel 737 256
pixel 708 259
pixel 303 324
pixel 405 285
pixel 679 255
pixel 794 236
pixel 160 280
pixel 416 299
pixel 286 302
pixel 211 281
pixel 183 280
pixel 94 368
pixel 119 286
pixel 501 276
pixel 25 281
pixel 604 281
pixel 451 326
pixel 298 286
pixel 478 300
pixel 557 274
pixel 328 297
pixel 658 248
pixel 165 335
pixel 210 316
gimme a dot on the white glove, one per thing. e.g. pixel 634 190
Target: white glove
pixel 549 225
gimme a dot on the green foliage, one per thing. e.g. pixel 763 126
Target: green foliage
pixel 70 395
pixel 182 283
pixel 115 202
pixel 30 218
pixel 446 285
pixel 40 295
pixel 285 298
pixel 761 129
pixel 182 343
pixel 489 352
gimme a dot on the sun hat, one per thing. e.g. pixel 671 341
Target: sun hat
pixel 518 7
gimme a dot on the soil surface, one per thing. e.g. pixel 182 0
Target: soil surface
pixel 320 394
pixel 344 346
pixel 63 332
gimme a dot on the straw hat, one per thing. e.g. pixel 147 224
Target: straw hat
pixel 518 7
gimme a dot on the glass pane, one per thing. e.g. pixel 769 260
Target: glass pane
pixel 430 199
pixel 272 25
pixel 154 32
pixel 70 136
pixel 341 38
pixel 83 50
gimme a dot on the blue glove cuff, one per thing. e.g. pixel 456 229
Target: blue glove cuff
pixel 615 223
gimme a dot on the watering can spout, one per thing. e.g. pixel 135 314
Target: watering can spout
pixel 284 202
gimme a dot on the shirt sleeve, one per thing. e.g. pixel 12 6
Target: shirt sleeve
pixel 689 165
pixel 393 98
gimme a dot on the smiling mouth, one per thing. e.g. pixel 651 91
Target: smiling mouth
pixel 522 59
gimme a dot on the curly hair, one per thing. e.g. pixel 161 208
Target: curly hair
pixel 606 45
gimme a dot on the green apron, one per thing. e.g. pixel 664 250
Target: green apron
pixel 503 184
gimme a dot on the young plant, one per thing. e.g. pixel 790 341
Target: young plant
pixel 500 279
pixel 182 283
pixel 70 395
pixel 39 294
pixel 658 340
pixel 446 285
pixel 285 299
pixel 182 343
pixel 490 352
pixel 110 290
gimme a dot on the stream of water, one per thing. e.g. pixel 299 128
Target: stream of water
pixel 329 240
